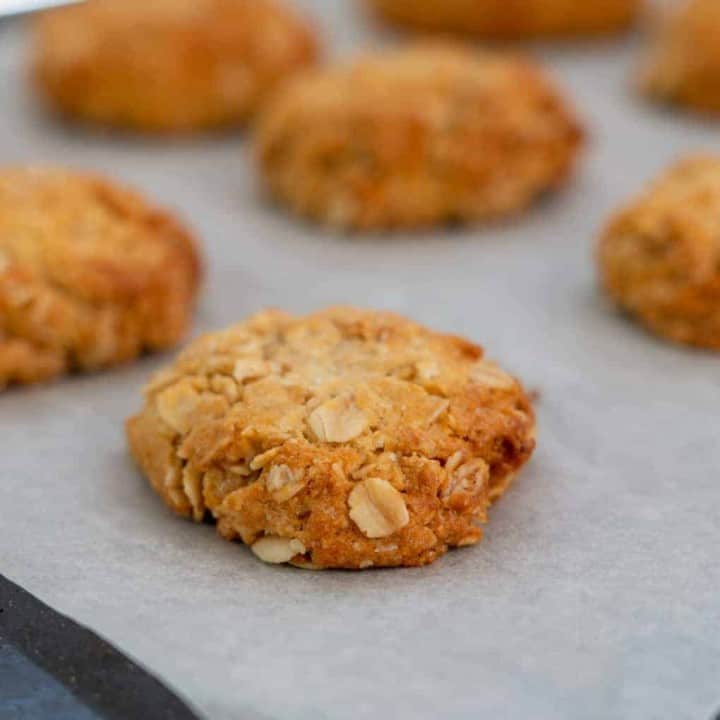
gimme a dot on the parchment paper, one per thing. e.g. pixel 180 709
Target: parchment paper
pixel 596 591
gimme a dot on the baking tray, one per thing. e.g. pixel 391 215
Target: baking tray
pixel 596 591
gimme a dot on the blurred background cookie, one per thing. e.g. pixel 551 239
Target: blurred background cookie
pixel 660 257
pixel 417 136
pixel 347 438
pixel 167 65
pixel 90 274
pixel 511 19
pixel 684 64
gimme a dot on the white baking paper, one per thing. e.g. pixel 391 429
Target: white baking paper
pixel 595 594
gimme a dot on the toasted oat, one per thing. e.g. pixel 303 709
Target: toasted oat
pixel 250 369
pixel 337 421
pixel 284 483
pixel 192 487
pixel 490 375
pixel 467 483
pixel 277 550
pixel 377 508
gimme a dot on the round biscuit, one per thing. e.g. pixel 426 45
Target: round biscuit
pixel 416 137
pixel 90 274
pixel 659 258
pixel 344 439
pixel 167 65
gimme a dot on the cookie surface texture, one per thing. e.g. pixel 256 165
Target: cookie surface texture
pixel 417 137
pixel 343 439
pixel 90 274
pixel 167 65
pixel 660 257
pixel 683 67
pixel 511 19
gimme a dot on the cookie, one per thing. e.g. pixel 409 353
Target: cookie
pixel 660 257
pixel 417 137
pixel 344 439
pixel 90 274
pixel 514 19
pixel 683 67
pixel 167 65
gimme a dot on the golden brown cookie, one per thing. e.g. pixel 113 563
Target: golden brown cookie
pixel 684 64
pixel 415 137
pixel 660 257
pixel 344 439
pixel 90 274
pixel 511 19
pixel 167 65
